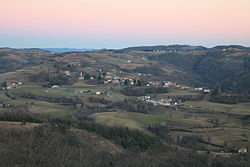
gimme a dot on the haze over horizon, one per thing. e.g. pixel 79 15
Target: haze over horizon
pixel 119 24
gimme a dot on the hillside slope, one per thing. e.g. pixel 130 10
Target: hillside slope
pixel 12 59
pixel 225 66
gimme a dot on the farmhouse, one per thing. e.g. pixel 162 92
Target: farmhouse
pixel 165 102
pixel 206 91
pixel 242 150
pixel 55 86
pixel 198 89
pixel 67 73
pixel 98 93
pixel 11 85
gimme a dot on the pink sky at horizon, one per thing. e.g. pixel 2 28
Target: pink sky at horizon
pixel 119 22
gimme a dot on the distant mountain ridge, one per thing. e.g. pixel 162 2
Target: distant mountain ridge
pixel 231 47
pixel 164 48
pixel 63 50
pixel 181 48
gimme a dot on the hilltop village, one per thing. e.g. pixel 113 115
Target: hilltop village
pixel 107 78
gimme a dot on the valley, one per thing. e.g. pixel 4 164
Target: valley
pixel 164 104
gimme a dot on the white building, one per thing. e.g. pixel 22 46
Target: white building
pixel 206 91
pixel 98 93
pixel 81 76
pixel 242 150
pixel 55 86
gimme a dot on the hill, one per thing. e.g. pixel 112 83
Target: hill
pixel 63 50
pixel 12 59
pixel 191 65
pixel 196 65
pixel 129 107
pixel 164 48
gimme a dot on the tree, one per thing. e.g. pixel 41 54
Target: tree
pixel 126 82
pixel 139 83
pixel 87 76
pixel 4 84
pixel 209 139
pixel 244 123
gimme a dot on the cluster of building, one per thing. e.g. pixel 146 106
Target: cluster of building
pixel 11 85
pixel 168 102
pixel 121 81
pixel 5 105
pixel 88 91
pixel 81 91
pixel 164 51
pixel 112 79
pixel 132 81
pixel 108 79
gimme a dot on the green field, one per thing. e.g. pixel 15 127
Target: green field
pixel 196 124
pixel 130 120
pixel 52 109
pixel 194 118
pixel 141 121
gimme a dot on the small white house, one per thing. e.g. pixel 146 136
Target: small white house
pixel 55 86
pixel 81 76
pixel 198 89
pixel 98 93
pixel 206 91
pixel 9 87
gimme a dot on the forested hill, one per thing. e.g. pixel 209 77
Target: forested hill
pixel 224 66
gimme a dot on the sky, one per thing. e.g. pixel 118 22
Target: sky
pixel 123 23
